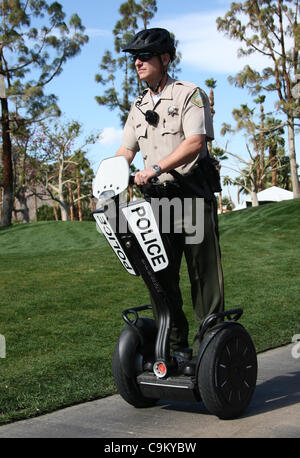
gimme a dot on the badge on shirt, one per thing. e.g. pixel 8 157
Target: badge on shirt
pixel 172 110
pixel 198 98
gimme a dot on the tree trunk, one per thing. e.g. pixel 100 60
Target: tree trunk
pixel 62 203
pixel 220 202
pixel 258 171
pixel 70 201
pixel 79 194
pixel 8 189
pixel 22 198
pixel 35 208
pixel 64 212
pixel 93 205
pixel 63 206
pixel 130 192
pixel 55 213
pixel 1 197
pixel 212 102
pixel 254 199
pixel 293 164
pixel 273 164
pixel 262 148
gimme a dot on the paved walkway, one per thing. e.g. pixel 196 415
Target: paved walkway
pixel 274 412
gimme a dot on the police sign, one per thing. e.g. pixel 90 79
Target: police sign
pixel 142 223
pixel 110 236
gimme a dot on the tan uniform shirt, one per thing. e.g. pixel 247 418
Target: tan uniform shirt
pixel 183 110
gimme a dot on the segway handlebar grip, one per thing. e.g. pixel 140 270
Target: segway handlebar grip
pixel 151 181
pixel 135 311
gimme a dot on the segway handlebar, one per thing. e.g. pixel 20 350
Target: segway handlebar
pixel 151 181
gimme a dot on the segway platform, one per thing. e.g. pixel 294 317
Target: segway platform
pixel 180 387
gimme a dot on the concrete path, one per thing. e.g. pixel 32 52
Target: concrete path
pixel 273 413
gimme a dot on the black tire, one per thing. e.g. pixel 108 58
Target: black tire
pixel 128 387
pixel 227 372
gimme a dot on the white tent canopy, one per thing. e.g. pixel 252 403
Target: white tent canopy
pixel 272 194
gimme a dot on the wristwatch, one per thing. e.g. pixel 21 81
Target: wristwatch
pixel 156 168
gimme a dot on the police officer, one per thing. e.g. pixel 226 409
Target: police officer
pixel 170 123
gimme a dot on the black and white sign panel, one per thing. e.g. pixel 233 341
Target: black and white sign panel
pixel 109 234
pixel 142 223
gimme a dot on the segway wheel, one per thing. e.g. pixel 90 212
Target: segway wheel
pixel 227 372
pixel 127 386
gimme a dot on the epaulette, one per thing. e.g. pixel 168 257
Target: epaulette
pixel 187 84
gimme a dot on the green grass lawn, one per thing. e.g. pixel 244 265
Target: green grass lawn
pixel 62 292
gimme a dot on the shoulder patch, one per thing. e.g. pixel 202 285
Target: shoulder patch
pixel 198 98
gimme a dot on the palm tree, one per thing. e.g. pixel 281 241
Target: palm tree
pixel 219 154
pixel 261 157
pixel 211 83
pixel 275 144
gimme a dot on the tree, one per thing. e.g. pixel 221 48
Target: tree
pixel 246 180
pixel 23 169
pixel 253 172
pixel 211 83
pixel 270 28
pixel 261 159
pixel 146 10
pixel 245 121
pixel 35 42
pixel 226 204
pixel 219 154
pixel 120 98
pixel 81 176
pixel 275 144
pixel 61 165
pixel 124 29
pixel 244 117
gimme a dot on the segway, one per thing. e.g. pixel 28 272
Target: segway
pixel 223 374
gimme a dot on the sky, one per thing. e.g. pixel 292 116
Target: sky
pixel 206 53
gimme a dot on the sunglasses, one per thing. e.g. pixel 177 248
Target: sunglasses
pixel 143 56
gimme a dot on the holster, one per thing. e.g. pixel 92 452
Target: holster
pixel 202 181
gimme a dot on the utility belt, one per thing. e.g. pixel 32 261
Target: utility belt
pixel 169 189
pixel 202 181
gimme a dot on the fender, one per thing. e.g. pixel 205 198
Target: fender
pixel 209 336
pixel 130 350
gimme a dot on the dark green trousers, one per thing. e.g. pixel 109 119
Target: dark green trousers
pixel 206 278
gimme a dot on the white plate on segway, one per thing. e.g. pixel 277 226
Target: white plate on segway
pixel 112 175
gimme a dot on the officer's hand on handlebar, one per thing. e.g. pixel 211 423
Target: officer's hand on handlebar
pixel 145 177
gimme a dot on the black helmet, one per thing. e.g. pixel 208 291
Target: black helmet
pixel 156 40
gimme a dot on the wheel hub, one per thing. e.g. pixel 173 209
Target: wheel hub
pixel 235 371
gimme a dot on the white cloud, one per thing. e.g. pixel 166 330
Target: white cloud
pixel 204 47
pixel 110 136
